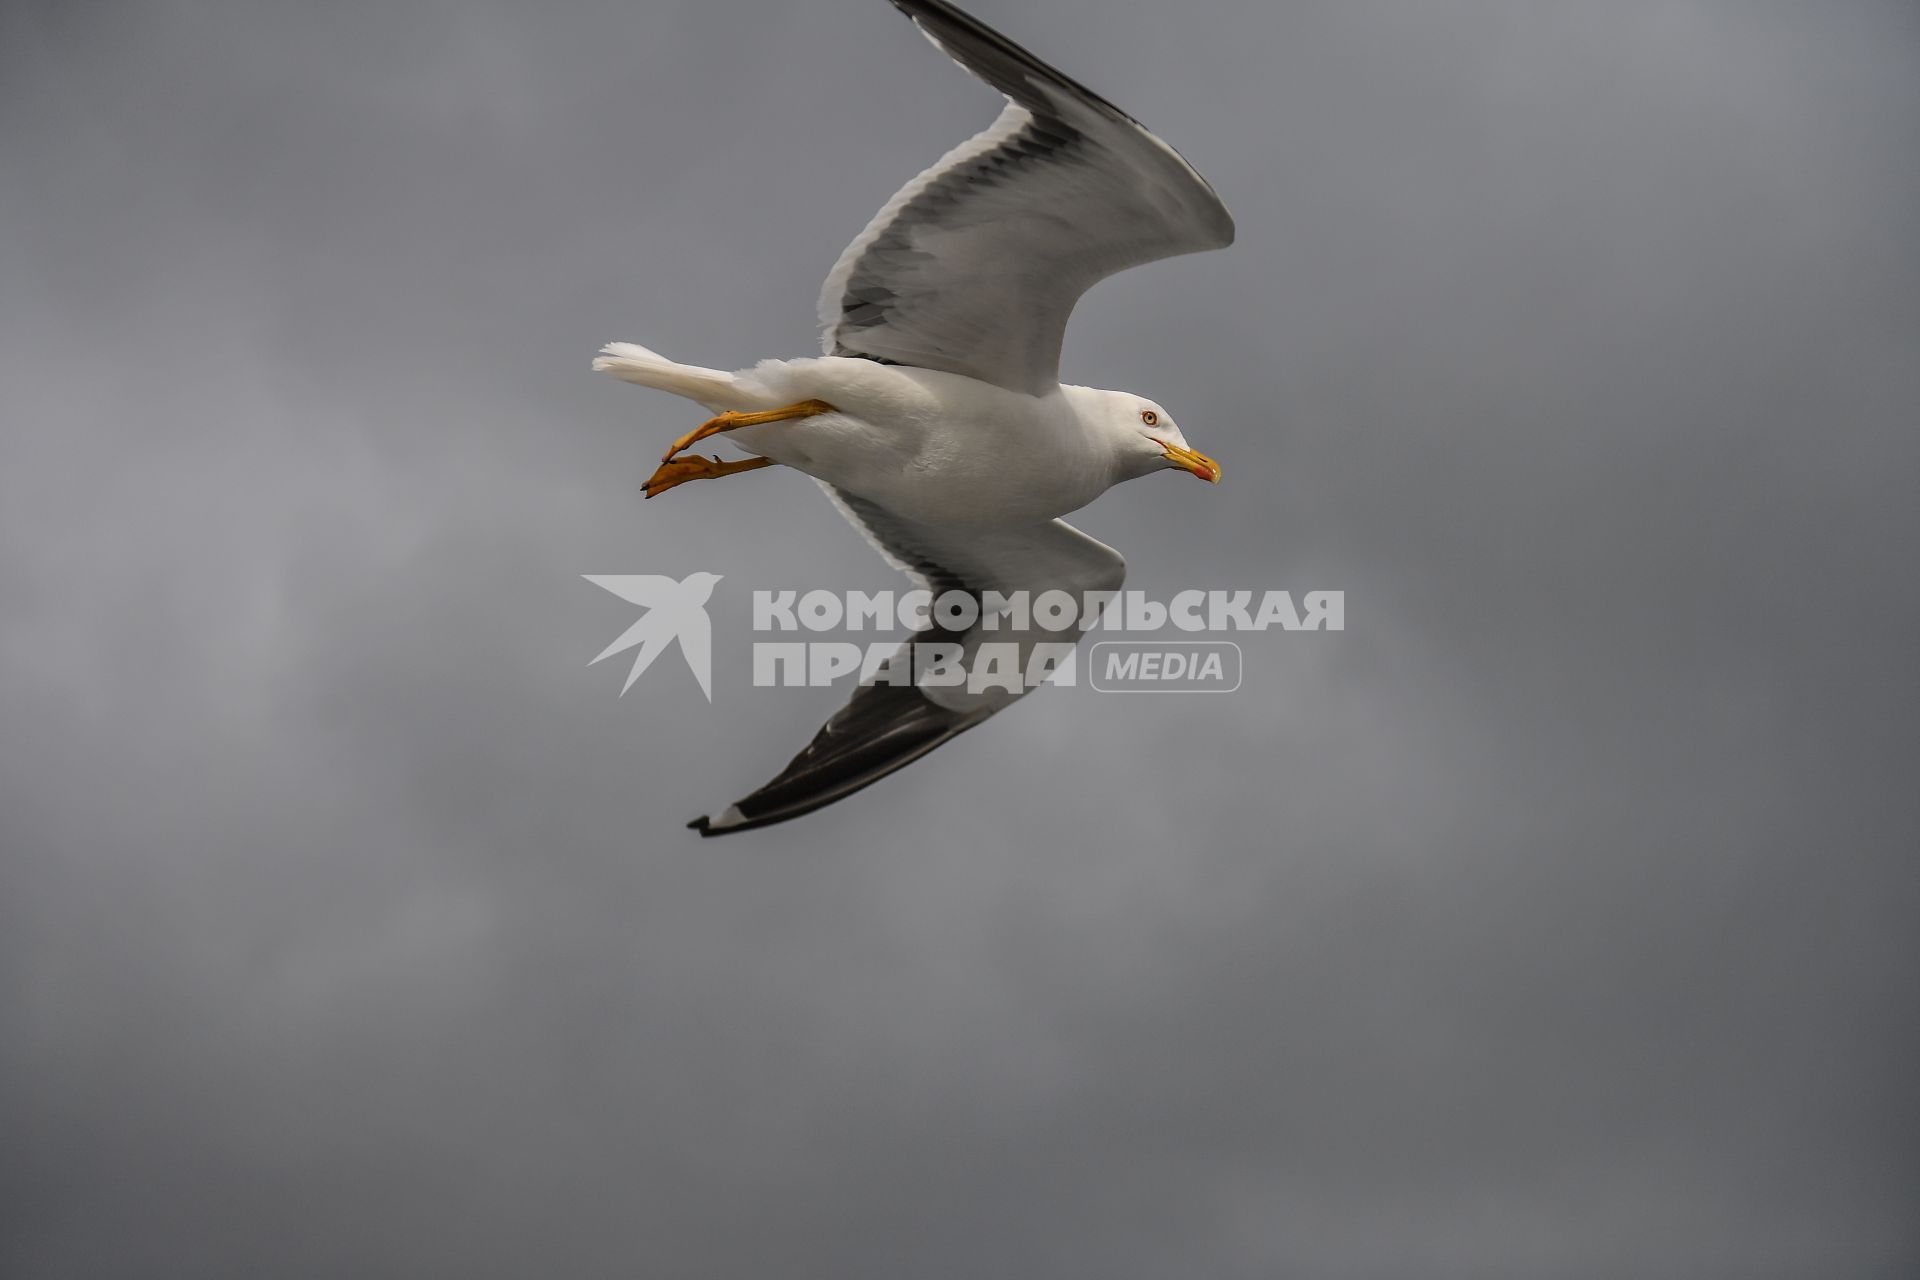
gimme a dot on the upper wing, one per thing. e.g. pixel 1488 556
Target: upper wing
pixel 975 265
pixel 885 727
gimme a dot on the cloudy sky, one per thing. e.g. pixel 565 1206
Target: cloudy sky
pixel 1556 920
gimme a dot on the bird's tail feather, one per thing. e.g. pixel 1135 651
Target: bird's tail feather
pixel 714 388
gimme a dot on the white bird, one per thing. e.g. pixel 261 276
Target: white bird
pixel 936 421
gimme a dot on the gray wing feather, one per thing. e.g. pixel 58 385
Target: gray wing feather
pixel 974 266
pixel 884 727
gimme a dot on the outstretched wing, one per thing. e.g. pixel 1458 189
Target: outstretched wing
pixel 885 727
pixel 643 589
pixel 975 265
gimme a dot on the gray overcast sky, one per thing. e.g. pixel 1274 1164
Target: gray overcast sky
pixel 1554 921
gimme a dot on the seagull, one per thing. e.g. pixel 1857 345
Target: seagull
pixel 936 420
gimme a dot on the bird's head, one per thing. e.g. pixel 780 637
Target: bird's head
pixel 700 585
pixel 1147 439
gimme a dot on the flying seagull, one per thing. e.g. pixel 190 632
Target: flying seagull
pixel 936 420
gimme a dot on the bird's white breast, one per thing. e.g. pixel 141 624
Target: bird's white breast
pixel 933 447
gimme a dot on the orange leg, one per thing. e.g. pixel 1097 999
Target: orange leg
pixel 728 421
pixel 676 471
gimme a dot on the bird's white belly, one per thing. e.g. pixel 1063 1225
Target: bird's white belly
pixel 996 459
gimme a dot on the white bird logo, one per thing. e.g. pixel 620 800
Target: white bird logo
pixel 674 611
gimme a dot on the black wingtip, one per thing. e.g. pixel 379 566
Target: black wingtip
pixel 882 729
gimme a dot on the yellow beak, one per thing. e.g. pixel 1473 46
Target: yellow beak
pixel 1198 463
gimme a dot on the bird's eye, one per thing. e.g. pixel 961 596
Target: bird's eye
pixel 1149 417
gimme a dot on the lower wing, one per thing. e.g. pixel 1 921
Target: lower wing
pixel 887 726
